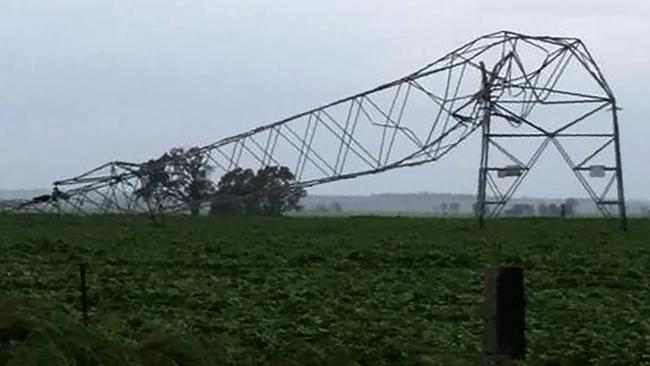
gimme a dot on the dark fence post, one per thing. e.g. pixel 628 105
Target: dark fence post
pixel 84 292
pixel 504 333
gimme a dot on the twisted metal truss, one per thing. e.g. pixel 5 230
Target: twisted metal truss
pixel 505 85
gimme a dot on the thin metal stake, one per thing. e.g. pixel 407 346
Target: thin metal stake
pixel 84 292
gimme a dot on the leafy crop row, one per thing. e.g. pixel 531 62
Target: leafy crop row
pixel 378 290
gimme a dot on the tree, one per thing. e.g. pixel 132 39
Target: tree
pixel 553 210
pixel 521 209
pixel 321 208
pixel 153 178
pixel 336 207
pixel 529 210
pixel 177 175
pixel 191 178
pixel 231 190
pixel 269 192
pixel 542 209
pixel 570 206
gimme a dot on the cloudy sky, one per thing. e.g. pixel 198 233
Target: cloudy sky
pixel 85 82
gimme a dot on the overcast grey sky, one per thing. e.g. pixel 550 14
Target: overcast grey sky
pixel 85 82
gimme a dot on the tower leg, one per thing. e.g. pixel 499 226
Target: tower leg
pixel 481 204
pixel 622 212
pixel 485 147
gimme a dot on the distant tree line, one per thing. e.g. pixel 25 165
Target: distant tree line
pixel 567 208
pixel 184 176
pixel 450 208
pixel 333 207
pixel 564 209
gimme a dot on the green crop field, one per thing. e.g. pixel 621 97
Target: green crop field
pixel 307 291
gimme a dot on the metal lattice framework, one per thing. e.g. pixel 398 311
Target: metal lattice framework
pixel 512 88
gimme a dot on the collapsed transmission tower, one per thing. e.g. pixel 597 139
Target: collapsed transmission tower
pixel 521 93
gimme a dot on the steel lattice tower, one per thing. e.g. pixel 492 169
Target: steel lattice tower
pixel 530 91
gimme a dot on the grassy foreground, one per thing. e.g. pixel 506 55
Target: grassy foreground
pixel 316 291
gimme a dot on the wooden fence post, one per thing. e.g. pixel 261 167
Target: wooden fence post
pixel 505 316
pixel 84 292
